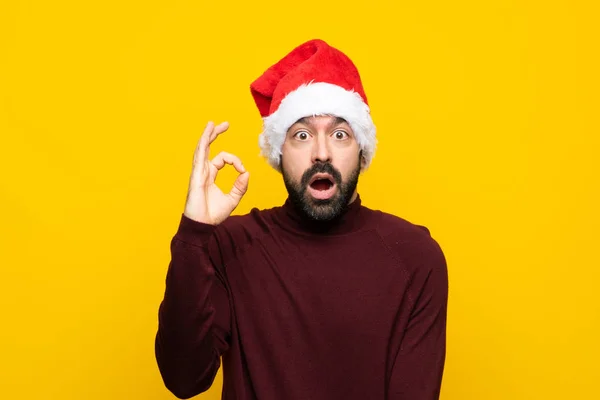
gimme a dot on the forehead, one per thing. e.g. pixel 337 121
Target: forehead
pixel 321 120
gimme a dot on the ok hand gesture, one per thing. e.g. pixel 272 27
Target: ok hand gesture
pixel 205 202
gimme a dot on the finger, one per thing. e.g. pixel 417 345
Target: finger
pixel 201 153
pixel 222 127
pixel 240 186
pixel 227 158
pixel 198 175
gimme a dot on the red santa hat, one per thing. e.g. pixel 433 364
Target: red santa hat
pixel 313 79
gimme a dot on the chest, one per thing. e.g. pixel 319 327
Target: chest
pixel 346 285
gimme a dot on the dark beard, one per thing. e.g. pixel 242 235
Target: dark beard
pixel 316 209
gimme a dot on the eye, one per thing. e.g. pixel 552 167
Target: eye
pixel 301 135
pixel 340 135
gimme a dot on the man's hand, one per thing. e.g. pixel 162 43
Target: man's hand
pixel 205 202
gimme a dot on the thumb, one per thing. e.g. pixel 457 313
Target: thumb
pixel 240 186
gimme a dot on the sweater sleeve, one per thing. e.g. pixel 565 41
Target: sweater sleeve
pixel 194 315
pixel 419 362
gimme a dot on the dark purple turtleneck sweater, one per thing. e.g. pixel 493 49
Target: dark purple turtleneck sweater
pixel 353 309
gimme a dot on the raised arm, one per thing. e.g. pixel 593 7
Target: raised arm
pixel 194 315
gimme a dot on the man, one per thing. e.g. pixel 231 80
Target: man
pixel 321 298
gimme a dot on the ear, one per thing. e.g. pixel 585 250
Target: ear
pixel 363 161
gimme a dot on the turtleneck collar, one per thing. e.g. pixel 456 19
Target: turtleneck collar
pixel 349 221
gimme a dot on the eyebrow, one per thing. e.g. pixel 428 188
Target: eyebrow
pixel 307 121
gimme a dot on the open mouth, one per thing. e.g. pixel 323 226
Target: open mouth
pixel 321 182
pixel 322 186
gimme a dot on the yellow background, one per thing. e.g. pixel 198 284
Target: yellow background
pixel 488 134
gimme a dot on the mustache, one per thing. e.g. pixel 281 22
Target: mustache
pixel 324 168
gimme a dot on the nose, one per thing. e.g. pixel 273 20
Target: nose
pixel 321 151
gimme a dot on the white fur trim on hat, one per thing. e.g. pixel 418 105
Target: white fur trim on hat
pixel 319 98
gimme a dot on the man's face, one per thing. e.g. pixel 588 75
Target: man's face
pixel 320 163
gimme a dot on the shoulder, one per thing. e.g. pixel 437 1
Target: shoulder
pixel 397 227
pixel 411 243
pixel 239 232
pixel 254 223
pixel 417 252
